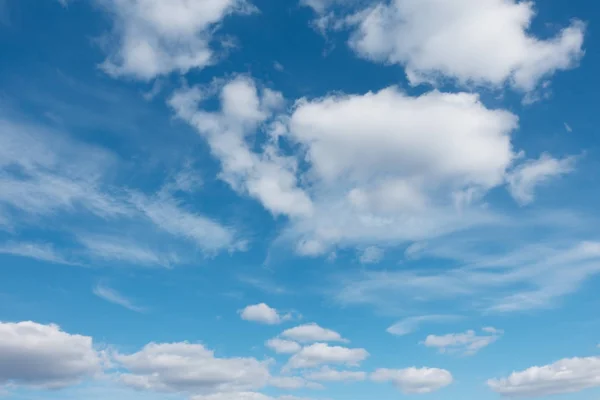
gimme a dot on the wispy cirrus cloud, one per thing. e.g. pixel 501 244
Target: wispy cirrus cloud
pixel 112 296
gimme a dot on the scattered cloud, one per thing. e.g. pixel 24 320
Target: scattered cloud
pixel 37 251
pixel 411 324
pixel 564 376
pixel 414 380
pixel 322 353
pixel 282 346
pixel 118 249
pixel 524 179
pixel 43 356
pixel 372 255
pixel 481 43
pixel 112 296
pixel 293 383
pixel 151 38
pixel 327 374
pixel 263 314
pixel 190 368
pixel 467 343
pixel 312 333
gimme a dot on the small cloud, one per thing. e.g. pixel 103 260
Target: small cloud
pixel 112 296
pixel 278 66
pixel 371 255
pixel 412 324
pixel 568 127
pixel 467 343
pixel 263 314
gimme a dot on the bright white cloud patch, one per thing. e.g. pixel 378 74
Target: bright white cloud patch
pixel 484 42
pixel 467 343
pixel 44 356
pixel 414 380
pixel 153 37
pixel 527 176
pixel 312 333
pixel 564 376
pixel 191 368
pixel 282 346
pixel 268 176
pixel 263 314
pixel 321 353
pixel 327 374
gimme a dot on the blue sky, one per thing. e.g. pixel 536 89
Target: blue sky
pixel 315 199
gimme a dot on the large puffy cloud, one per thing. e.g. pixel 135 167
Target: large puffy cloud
pixel 564 376
pixel 414 380
pixel 190 368
pixel 472 41
pixel 467 343
pixel 423 160
pixel 321 353
pixel 312 333
pixel 153 37
pixel 45 356
pixel 282 346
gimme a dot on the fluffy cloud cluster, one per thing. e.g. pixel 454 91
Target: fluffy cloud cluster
pixel 322 353
pixel 190 368
pixel 44 356
pixel 312 333
pixel 153 37
pixel 483 42
pixel 564 376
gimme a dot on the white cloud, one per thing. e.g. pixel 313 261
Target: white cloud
pixel 372 255
pixel 312 333
pixel 120 249
pixel 44 356
pixel 414 380
pixel 282 346
pixel 467 343
pixel 524 179
pixel 327 374
pixel 264 314
pixel 152 38
pixel 411 324
pixel 243 396
pixel 321 353
pixel 564 376
pixel 38 251
pixel 482 42
pixel 268 176
pixel 111 295
pixel 527 277
pixel 293 383
pixel 190 368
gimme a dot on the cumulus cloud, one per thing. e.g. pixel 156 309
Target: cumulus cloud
pixel 467 343
pixel 321 353
pixel 471 41
pixel 263 314
pixel 414 380
pixel 524 179
pixel 327 374
pixel 292 383
pixel 44 356
pixel 312 333
pixel 243 396
pixel 152 38
pixel 564 376
pixel 282 346
pixel 268 176
pixel 190 368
